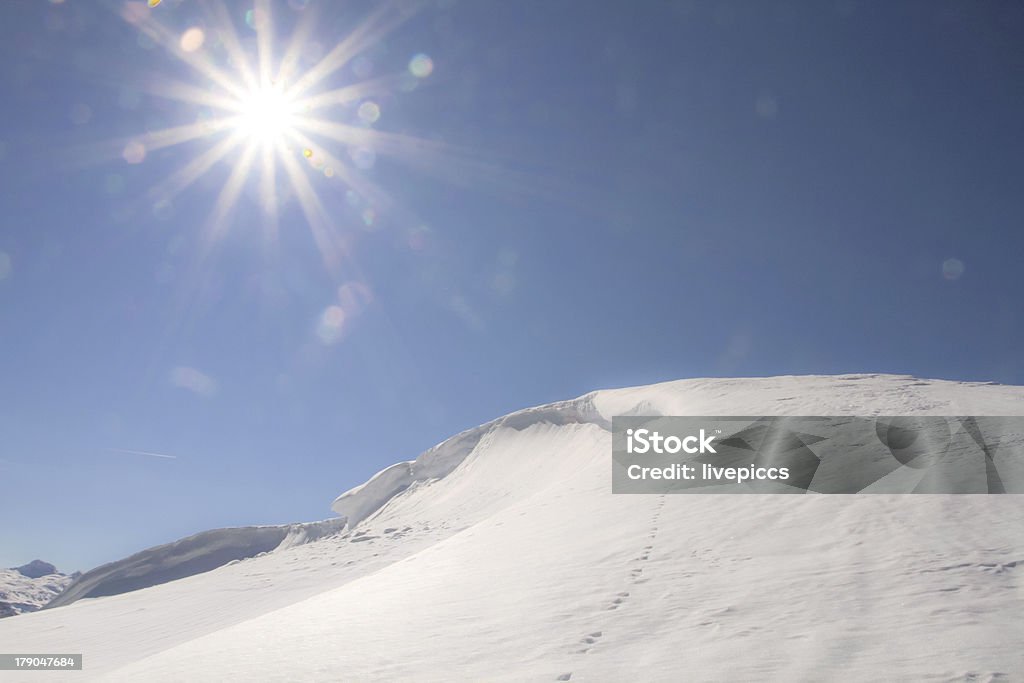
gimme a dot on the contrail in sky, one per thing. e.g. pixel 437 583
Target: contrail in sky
pixel 132 452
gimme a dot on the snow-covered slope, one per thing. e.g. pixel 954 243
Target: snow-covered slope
pixel 30 587
pixel 502 555
pixel 195 554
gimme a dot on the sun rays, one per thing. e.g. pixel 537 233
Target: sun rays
pixel 272 117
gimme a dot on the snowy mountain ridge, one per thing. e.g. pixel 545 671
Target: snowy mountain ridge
pixel 364 500
pixel 30 587
pixel 358 503
pixel 501 554
pixel 192 555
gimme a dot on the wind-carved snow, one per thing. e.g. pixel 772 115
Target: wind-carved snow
pixel 501 555
pixel 360 502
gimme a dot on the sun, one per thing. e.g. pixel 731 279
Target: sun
pixel 266 116
pixel 305 125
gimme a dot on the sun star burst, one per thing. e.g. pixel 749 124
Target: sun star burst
pixel 267 117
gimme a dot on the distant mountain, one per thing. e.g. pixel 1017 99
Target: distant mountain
pixel 30 587
pixel 36 569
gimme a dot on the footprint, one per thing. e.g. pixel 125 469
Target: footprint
pixel 564 677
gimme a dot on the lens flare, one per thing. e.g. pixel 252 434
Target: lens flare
pixel 134 152
pixel 952 269
pixel 369 112
pixel 331 325
pixel 421 66
pixel 192 39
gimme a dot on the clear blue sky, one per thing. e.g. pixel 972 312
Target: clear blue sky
pixel 609 194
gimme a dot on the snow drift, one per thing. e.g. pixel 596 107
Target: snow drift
pixel 501 554
pixel 361 501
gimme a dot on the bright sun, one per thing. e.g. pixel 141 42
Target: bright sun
pixel 266 115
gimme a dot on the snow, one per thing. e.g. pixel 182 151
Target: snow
pixel 501 555
pixel 29 587
pixel 439 461
pixel 195 554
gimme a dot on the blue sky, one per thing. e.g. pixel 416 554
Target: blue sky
pixel 586 195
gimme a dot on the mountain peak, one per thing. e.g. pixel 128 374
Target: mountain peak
pixel 36 569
